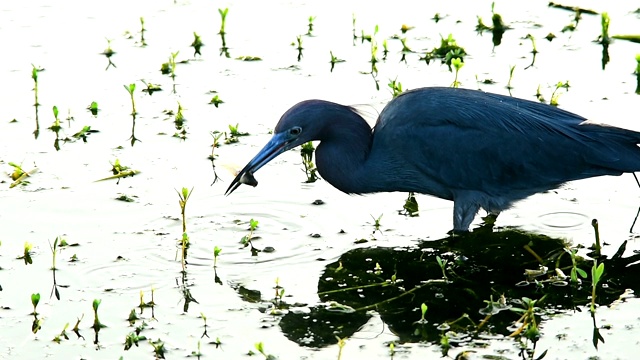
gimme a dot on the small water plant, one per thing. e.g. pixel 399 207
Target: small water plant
pixel 260 347
pixel 555 95
pixel 334 60
pixel 457 65
pixel 224 50
pixel 448 50
pixel 298 46
pixel 179 121
pixel 56 127
pixel 97 325
pixel 216 254
pixel 36 104
pixel 143 42
pixel 410 207
pixel 246 240
pixel 63 335
pixel 108 53
pixel 26 254
pixel 310 170
pixel 310 25
pixel 605 20
pixel 511 70
pixel 93 108
pixel 120 171
pixel 35 300
pixel 234 134
pixel 150 87
pixel 184 196
pixel 637 73
pixel 395 86
pixel 131 88
pixel 216 101
pixel 19 176
pixel 197 44
pixel 596 277
pixel 158 348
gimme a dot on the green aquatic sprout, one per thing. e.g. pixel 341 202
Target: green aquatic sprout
pixel 376 224
pixel 143 42
pixel 93 108
pixel 63 334
pixel 197 44
pixel 575 270
pixel 19 176
pixel 604 38
pixel 223 49
pixel 527 323
pixel 97 325
pixel 26 255
pixel 36 104
pixel 56 127
pixel 596 277
pixel 533 43
pixel 246 240
pixel 133 338
pixel 396 87
pixel 179 121
pixel 353 30
pixel 158 348
pixel 442 263
pixel 555 95
pixel 410 207
pixel 84 133
pixel 54 249
pixel 310 170
pixel 385 50
pixel 260 347
pixel 637 71
pixel 404 28
pixel 216 254
pixel 184 242
pixel 151 88
pixel 108 53
pixel 511 70
pixel 334 60
pixel 34 76
pixel 120 171
pixel 448 50
pixel 223 15
pixel 234 134
pixel 130 89
pixel 35 300
pixel 310 25
pixel 298 45
pixel 216 101
pixel 457 65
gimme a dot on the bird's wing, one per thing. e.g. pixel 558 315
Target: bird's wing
pixel 470 140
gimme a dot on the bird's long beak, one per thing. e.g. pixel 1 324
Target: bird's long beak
pixel 276 146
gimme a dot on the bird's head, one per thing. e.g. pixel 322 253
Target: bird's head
pixel 300 124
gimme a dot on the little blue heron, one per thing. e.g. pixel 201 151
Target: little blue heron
pixel 477 149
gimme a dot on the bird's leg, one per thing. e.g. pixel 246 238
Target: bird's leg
pixel 463 214
pixel 635 177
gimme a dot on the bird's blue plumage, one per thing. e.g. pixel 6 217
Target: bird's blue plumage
pixel 480 150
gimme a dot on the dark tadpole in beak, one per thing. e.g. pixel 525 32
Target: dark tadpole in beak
pixel 276 146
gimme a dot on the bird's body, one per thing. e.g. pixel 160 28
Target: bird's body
pixel 478 149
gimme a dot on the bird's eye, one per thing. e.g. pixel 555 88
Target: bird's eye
pixel 295 131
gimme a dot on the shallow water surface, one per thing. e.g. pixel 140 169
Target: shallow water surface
pixel 126 250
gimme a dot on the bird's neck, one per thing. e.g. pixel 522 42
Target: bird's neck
pixel 342 153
